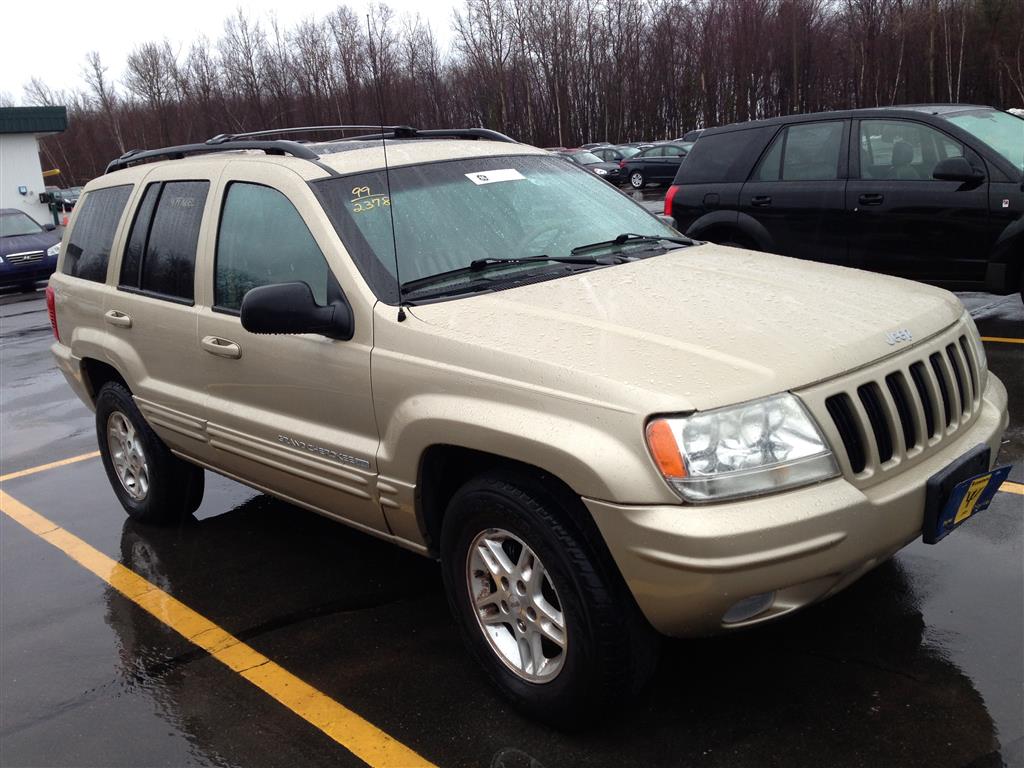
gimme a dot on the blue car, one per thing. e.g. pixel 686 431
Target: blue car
pixel 28 250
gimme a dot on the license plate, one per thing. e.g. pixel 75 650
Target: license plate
pixel 968 498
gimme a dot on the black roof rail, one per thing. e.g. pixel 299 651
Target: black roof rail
pixel 227 142
pixel 133 156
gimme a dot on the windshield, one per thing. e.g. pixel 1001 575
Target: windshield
pixel 1000 130
pixel 18 223
pixel 449 214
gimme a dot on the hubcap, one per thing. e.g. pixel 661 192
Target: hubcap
pixel 127 455
pixel 637 180
pixel 516 605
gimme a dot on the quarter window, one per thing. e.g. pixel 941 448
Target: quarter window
pixel 804 152
pixel 263 241
pixel 900 149
pixel 160 257
pixel 93 235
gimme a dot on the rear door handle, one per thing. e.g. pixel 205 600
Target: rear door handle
pixel 760 201
pixel 871 199
pixel 118 318
pixel 221 347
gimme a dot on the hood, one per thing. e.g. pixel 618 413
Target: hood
pixel 695 328
pixel 19 243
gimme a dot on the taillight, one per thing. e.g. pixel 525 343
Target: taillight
pixel 51 310
pixel 669 197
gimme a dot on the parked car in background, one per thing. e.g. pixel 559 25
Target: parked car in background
pixel 595 144
pixel 693 135
pixel 655 165
pixel 28 250
pixel 607 171
pixel 613 154
pixel 931 193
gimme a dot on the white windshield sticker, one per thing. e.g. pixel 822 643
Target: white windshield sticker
pixel 489 177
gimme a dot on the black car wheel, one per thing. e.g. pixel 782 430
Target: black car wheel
pixel 535 606
pixel 152 484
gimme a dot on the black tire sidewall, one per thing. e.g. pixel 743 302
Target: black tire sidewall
pixel 167 482
pixel 567 697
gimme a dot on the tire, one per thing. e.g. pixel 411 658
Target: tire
pixel 637 180
pixel 153 485
pixel 607 650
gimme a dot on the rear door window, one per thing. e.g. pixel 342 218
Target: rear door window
pixel 160 258
pixel 89 245
pixel 804 152
pixel 263 241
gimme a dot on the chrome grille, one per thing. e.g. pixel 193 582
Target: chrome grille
pixel 24 257
pixel 898 411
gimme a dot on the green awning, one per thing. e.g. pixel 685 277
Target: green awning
pixel 33 119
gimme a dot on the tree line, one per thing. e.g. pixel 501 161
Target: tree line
pixel 547 72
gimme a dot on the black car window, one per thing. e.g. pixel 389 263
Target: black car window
pixel 91 239
pixel 160 258
pixel 724 157
pixel 803 152
pixel 903 150
pixel 652 152
pixel 673 151
pixel 262 241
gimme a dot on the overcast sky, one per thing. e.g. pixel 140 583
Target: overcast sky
pixel 50 40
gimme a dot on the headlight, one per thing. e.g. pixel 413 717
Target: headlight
pixel 600 171
pixel 53 250
pixel 743 450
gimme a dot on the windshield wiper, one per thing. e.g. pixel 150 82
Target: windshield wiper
pixel 628 238
pixel 480 265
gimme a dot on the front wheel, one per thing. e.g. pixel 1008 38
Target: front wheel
pixel 549 627
pixel 637 180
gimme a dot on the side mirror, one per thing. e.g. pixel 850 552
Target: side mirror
pixel 49 227
pixel 291 308
pixel 957 169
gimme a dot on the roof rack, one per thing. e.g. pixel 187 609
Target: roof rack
pixel 227 142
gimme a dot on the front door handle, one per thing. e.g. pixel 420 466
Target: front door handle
pixel 221 347
pixel 760 201
pixel 871 199
pixel 118 318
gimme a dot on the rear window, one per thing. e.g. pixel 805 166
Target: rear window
pixel 90 241
pixel 723 157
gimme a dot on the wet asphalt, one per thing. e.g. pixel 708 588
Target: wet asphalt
pixel 921 663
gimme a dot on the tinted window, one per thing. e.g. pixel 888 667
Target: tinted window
pixel 900 149
pixel 804 152
pixel 131 263
pixel 673 151
pixel 89 245
pixel 169 261
pixel 723 157
pixel 262 241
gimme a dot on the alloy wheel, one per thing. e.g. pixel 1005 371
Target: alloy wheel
pixel 127 455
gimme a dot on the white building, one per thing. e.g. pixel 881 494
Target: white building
pixel 21 173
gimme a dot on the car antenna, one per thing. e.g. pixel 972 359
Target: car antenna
pixel 387 172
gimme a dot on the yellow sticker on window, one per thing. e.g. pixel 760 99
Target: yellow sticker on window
pixel 363 199
pixel 971 498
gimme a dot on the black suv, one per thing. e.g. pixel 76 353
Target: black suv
pixel 932 193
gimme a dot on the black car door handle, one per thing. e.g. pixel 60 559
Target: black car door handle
pixel 760 201
pixel 871 199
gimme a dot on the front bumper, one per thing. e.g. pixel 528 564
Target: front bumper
pixel 15 274
pixel 687 565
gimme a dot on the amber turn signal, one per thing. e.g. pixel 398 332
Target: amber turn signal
pixel 665 449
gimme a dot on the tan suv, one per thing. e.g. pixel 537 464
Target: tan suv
pixel 490 357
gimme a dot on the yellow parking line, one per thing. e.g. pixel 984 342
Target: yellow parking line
pixel 360 737
pixel 1002 339
pixel 51 465
pixel 1011 487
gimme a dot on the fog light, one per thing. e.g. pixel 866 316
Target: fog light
pixel 748 608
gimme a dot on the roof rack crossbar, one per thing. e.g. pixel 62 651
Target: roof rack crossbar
pixel 406 132
pixel 176 153
pixel 226 137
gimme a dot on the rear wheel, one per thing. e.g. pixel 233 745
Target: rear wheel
pixel 536 609
pixel 152 484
